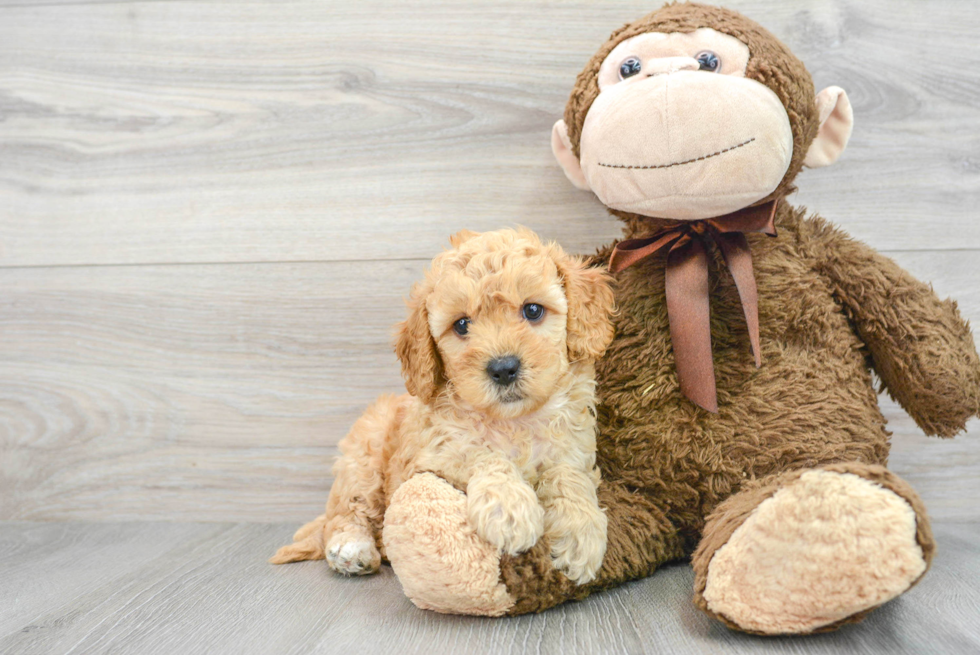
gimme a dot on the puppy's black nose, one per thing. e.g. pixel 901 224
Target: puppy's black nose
pixel 503 370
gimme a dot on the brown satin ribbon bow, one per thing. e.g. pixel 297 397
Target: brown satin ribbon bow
pixel 686 283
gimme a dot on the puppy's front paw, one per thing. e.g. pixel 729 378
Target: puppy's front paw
pixel 352 556
pixel 508 516
pixel 577 548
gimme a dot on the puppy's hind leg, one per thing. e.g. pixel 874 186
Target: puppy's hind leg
pixel 351 548
pixel 356 508
pixel 347 533
pixel 307 543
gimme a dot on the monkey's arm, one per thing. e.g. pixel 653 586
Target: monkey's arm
pixel 920 346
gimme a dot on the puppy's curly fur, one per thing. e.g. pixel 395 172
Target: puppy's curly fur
pixel 523 451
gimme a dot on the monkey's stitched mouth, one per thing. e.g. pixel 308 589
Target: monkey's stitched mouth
pixel 679 163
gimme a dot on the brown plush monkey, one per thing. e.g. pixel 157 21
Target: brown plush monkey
pixel 738 418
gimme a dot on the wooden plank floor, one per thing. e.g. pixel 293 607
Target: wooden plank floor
pixel 153 588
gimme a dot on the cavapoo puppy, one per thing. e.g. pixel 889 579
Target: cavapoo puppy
pixel 498 355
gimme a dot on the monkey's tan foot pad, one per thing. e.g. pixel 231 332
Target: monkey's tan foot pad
pixel 823 550
pixel 440 561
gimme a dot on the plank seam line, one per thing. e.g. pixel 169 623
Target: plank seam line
pixel 353 261
pixel 219 263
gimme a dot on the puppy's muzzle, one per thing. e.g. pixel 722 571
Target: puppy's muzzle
pixel 503 370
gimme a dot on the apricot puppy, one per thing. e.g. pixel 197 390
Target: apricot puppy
pixel 498 355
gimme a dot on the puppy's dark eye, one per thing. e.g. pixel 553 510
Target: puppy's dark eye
pixel 709 61
pixel 532 311
pixel 629 68
pixel 461 326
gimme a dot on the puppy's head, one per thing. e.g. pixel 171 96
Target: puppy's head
pixel 498 319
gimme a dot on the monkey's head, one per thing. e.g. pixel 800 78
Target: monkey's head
pixel 694 112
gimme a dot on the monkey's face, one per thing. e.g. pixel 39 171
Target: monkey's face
pixel 677 130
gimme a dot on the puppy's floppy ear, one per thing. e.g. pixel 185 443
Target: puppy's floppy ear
pixel 462 237
pixel 416 349
pixel 590 307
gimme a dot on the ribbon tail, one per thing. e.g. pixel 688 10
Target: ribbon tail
pixel 688 309
pixel 738 257
pixel 627 253
pixel 761 218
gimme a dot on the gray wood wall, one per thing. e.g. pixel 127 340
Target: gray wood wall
pixel 210 212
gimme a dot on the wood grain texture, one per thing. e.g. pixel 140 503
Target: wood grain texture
pixel 153 588
pixel 209 214
pixel 155 132
pixel 220 392
pixel 187 391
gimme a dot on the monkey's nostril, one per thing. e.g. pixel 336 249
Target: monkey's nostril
pixel 503 370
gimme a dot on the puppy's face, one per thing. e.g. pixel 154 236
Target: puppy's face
pixel 498 318
pixel 497 311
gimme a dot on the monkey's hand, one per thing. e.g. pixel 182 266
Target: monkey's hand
pixel 920 346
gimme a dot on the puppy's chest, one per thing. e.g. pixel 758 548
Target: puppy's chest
pixel 560 432
pixel 530 446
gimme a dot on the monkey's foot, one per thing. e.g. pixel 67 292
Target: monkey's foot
pixel 441 562
pixel 824 547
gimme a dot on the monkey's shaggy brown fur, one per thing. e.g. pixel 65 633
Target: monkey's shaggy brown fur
pixel 831 310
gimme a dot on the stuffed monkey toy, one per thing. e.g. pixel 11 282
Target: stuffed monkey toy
pixel 738 417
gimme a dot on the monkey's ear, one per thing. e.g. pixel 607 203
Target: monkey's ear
pixel 562 147
pixel 836 122
pixel 416 349
pixel 589 328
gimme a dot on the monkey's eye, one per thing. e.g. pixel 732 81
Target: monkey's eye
pixel 461 326
pixel 709 61
pixel 532 311
pixel 629 68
